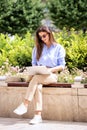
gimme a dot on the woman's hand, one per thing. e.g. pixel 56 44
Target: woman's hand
pixel 56 69
pixel 51 70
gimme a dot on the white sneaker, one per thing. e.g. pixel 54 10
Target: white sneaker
pixel 20 109
pixel 37 119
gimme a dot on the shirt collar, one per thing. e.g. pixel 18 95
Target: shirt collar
pixel 52 45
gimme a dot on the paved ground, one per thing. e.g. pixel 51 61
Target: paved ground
pixel 22 124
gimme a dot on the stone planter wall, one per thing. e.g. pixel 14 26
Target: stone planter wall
pixel 62 104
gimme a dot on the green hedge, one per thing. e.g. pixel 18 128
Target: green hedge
pixel 75 44
pixel 19 50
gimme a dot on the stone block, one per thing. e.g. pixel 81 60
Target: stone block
pixel 58 103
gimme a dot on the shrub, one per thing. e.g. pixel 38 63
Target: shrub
pixel 68 13
pixel 18 51
pixel 20 16
pixel 75 44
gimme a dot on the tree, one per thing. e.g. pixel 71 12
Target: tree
pixel 20 16
pixel 68 13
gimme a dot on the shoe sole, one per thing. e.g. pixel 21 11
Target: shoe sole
pixel 35 123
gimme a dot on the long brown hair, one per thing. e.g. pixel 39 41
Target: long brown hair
pixel 39 42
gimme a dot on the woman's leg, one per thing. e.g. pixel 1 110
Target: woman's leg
pixel 33 90
pixel 38 99
pixel 35 87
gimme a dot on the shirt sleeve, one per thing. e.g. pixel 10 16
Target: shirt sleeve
pixel 34 61
pixel 61 57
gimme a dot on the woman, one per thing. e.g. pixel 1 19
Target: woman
pixel 46 53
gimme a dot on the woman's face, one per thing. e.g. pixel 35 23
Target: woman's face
pixel 44 36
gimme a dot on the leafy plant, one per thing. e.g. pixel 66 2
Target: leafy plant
pixel 68 13
pixel 20 16
pixel 18 51
pixel 75 44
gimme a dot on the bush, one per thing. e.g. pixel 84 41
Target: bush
pixel 20 16
pixel 18 51
pixel 68 13
pixel 75 44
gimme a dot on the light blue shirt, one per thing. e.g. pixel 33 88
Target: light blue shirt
pixel 51 57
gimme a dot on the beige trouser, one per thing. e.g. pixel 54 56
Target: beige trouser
pixel 35 88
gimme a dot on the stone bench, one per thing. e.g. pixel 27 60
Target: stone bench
pixel 60 101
